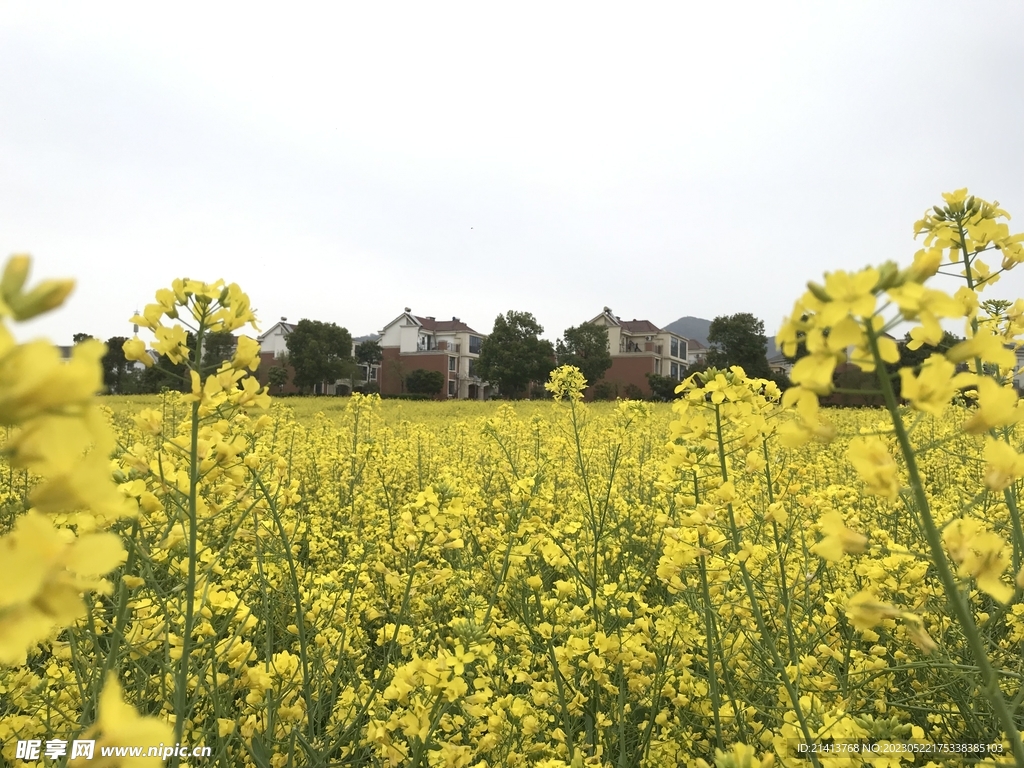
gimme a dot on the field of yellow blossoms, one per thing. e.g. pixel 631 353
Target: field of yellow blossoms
pixel 741 579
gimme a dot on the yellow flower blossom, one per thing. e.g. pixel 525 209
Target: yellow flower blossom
pixel 866 611
pixel 135 349
pixel 172 343
pixel 120 725
pixel 566 381
pixel 981 554
pixel 247 354
pixel 849 294
pixel 839 540
pixel 997 407
pixel 46 570
pixel 985 345
pixel 1002 465
pixel 934 387
pixel 875 465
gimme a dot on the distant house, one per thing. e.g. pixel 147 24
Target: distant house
pixel 451 347
pixel 274 347
pixel 779 363
pixel 639 347
pixel 696 353
pixel 274 341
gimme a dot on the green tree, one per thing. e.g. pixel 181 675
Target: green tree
pixel 115 365
pixel 369 353
pixel 278 377
pixel 586 347
pixel 218 346
pixel 163 375
pixel 514 354
pixel 424 382
pixel 78 338
pixel 739 340
pixel 319 352
pixel 662 387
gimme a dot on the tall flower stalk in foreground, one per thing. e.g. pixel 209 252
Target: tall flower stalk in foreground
pixel 849 315
pixel 219 392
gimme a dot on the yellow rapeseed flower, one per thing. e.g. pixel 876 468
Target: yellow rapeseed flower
pixel 997 407
pixel 934 387
pixel 119 725
pixel 1002 465
pixel 875 465
pixel 46 570
pixel 865 610
pixel 849 294
pixel 135 349
pixel 838 539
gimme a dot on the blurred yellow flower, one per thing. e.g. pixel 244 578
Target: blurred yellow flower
pixel 46 570
pixel 934 387
pixel 875 465
pixel 119 725
pixel 997 407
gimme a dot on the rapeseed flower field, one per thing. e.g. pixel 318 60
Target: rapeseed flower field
pixel 741 578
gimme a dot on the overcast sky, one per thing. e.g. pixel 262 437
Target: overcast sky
pixel 343 161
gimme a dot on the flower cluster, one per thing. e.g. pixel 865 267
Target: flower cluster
pixel 58 434
pixel 56 550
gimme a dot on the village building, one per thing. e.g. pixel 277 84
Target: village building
pixel 639 347
pixel 451 347
pixel 274 351
pixel 696 353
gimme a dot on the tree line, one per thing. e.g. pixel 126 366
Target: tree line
pixel 513 357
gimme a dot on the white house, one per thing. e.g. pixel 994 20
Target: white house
pixel 449 347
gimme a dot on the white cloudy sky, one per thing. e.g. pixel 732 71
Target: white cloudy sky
pixel 343 161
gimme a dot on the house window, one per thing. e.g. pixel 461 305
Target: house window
pixel 474 345
pixel 675 348
pixel 451 387
pixel 451 363
pixel 682 350
pixel 472 367
pixel 373 374
pixel 675 370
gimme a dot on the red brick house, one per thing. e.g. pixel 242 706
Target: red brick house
pixel 639 347
pixel 451 347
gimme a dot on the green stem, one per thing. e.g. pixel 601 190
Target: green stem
pixel 748 584
pixel 1008 495
pixel 181 689
pixel 990 681
pixel 709 631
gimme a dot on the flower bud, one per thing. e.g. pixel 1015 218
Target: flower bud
pixel 818 291
pixel 135 349
pixel 15 275
pixel 48 295
pixel 889 276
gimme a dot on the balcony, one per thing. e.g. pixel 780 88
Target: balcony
pixel 640 348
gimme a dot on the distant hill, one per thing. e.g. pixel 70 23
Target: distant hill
pixel 697 328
